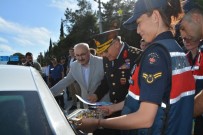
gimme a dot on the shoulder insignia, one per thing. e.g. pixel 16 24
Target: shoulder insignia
pixel 153 58
pixel 150 78
pixel 134 50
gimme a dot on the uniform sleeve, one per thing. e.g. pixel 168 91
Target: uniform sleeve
pixel 102 89
pixel 154 75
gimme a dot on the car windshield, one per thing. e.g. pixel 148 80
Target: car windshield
pixel 21 113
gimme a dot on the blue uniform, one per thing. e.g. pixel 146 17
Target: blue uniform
pixel 197 67
pixel 160 79
pixel 56 73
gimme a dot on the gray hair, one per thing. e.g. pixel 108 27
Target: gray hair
pixel 83 45
pixel 188 16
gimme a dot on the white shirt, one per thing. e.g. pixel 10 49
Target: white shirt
pixel 45 70
pixel 86 73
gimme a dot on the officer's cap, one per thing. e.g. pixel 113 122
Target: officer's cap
pixel 142 7
pixel 104 40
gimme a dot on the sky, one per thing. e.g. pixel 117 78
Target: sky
pixel 28 25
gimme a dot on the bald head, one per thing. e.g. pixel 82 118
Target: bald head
pixel 84 46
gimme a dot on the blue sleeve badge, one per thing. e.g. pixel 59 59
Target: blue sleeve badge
pixel 150 78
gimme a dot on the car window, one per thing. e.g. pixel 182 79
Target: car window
pixel 21 113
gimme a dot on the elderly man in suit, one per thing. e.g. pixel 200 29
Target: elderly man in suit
pixel 87 70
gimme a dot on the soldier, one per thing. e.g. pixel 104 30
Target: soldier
pixel 119 59
pixel 158 101
pixel 192 32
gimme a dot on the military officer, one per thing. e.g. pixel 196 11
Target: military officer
pixel 119 59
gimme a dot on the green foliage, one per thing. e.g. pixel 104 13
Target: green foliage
pixel 199 2
pixel 82 24
pixel 18 54
pixel 50 46
pixel 112 19
pixel 62 36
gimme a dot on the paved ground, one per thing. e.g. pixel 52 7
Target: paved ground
pixel 68 104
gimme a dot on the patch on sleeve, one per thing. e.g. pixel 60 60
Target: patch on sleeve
pixel 150 78
pixel 153 58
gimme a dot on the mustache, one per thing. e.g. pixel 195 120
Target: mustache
pixel 81 60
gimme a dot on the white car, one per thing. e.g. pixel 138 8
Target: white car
pixel 27 106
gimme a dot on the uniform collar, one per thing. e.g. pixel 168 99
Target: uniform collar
pixel 120 50
pixel 164 35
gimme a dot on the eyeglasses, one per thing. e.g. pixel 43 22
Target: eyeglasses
pixel 81 55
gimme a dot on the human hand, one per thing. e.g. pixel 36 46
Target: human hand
pixel 88 125
pixel 92 98
pixel 107 110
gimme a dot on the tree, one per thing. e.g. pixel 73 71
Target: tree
pixel 81 23
pixel 62 36
pixel 50 47
pixel 114 14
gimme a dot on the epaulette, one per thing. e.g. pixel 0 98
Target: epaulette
pixel 134 50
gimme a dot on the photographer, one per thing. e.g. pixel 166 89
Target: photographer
pixel 30 62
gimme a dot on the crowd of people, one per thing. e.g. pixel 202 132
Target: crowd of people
pixel 154 90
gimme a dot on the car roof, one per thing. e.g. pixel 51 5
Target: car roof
pixel 23 78
pixel 19 78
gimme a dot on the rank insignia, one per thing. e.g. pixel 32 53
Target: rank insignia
pixel 150 78
pixel 153 58
pixel 126 65
pixel 123 81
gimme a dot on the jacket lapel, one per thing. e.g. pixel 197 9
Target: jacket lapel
pixel 80 74
pixel 91 69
